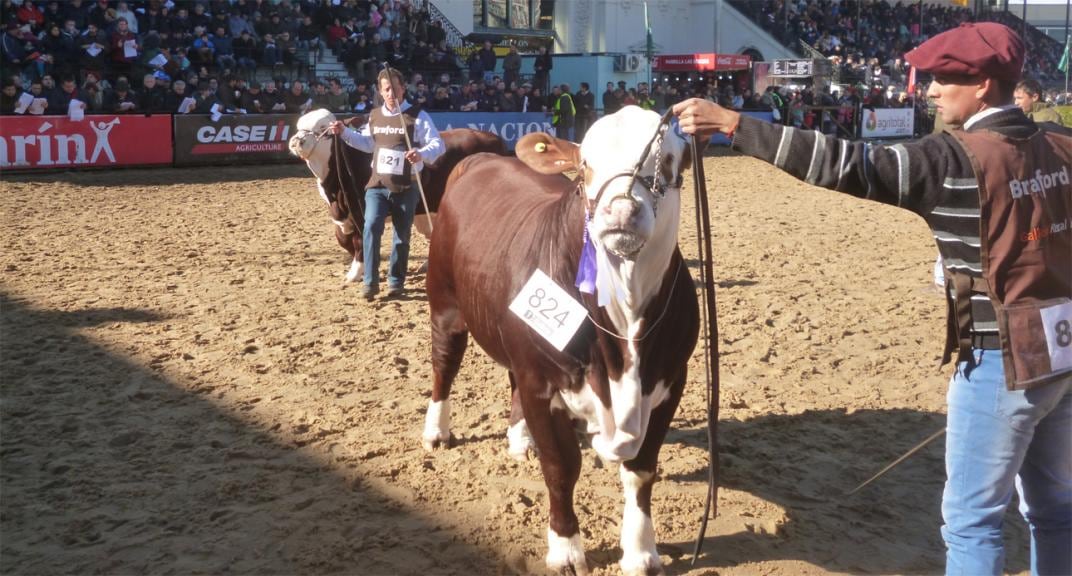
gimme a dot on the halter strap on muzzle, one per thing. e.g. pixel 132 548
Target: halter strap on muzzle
pixel 649 182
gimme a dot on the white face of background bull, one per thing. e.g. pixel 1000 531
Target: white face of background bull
pixel 626 213
pixel 307 145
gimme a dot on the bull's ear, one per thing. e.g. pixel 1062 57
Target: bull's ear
pixel 547 154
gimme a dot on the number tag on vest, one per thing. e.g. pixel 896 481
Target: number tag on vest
pixel 549 310
pixel 390 161
pixel 1057 323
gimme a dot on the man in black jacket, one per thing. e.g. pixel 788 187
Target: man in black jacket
pixel 585 103
pixel 1002 227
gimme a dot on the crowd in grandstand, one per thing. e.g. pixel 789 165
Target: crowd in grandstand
pixel 259 56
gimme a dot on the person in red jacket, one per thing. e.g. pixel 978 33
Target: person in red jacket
pixel 30 14
pixel 124 49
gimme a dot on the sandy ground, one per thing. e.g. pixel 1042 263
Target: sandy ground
pixel 188 388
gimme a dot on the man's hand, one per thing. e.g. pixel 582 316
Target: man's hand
pixel 705 118
pixel 336 127
pixel 413 156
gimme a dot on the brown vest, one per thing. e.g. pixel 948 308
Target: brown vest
pixel 1025 201
pixel 389 167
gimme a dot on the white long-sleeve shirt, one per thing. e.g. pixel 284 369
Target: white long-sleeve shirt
pixel 425 136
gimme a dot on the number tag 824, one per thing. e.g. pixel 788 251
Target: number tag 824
pixel 548 309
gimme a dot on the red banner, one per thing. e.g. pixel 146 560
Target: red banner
pixel 700 62
pixel 43 142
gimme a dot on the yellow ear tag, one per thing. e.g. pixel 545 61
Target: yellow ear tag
pixel 541 147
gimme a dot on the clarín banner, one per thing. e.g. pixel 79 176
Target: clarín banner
pixel 107 140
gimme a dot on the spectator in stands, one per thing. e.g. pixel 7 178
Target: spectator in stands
pixel 239 23
pixel 175 97
pixel 296 100
pixel 229 95
pixel 336 34
pixel 585 103
pixel 319 94
pixel 466 100
pixel 420 95
pixel 199 19
pixel 542 68
pixel 202 50
pixel 121 100
pixel 270 55
pixel 123 11
pixel 94 88
pixel 59 101
pixel 253 100
pixel 9 97
pixel 29 14
pixel 224 51
pixel 245 54
pixel 152 98
pixel 124 49
pixel 563 112
pixel 440 101
pixel 507 98
pixel 489 100
pixel 610 100
pixel 206 99
pixel 309 37
pixel 60 49
pixel 1027 97
pixel 337 100
pixel 512 68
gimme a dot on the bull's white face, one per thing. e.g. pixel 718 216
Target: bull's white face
pixel 628 215
pixel 306 145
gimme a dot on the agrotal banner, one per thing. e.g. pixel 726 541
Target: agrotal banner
pixel 888 123
pixel 105 140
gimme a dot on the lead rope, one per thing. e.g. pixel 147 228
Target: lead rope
pixel 710 317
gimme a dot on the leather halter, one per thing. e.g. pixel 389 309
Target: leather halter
pixel 652 184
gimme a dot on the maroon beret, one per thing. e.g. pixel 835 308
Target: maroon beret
pixel 979 49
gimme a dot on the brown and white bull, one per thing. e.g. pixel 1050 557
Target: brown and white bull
pixel 622 374
pixel 342 171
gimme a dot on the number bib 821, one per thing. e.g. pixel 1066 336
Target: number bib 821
pixel 548 309
pixel 390 161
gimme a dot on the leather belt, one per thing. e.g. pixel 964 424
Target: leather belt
pixel 986 341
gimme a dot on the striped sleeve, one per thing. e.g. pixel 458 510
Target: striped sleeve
pixel 907 174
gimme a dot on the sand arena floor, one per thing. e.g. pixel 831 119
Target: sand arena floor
pixel 188 388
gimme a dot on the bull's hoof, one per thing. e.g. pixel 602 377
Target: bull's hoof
pixel 354 273
pixel 641 565
pixel 521 444
pixel 432 443
pixel 423 268
pixel 565 555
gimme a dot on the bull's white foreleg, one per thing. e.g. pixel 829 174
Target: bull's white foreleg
pixel 639 555
pixel 564 554
pixel 521 441
pixel 437 425
pixel 356 269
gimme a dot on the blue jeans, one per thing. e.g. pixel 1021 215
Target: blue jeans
pixel 998 441
pixel 379 202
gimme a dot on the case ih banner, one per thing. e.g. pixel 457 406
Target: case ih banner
pixel 49 142
pixel 233 139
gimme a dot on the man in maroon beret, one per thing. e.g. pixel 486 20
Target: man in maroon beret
pixel 996 193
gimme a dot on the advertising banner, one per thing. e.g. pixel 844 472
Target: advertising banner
pixel 888 122
pixel 234 139
pixel 510 126
pixel 106 140
pixel 700 62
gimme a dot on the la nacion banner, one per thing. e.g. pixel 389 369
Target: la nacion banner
pixel 887 122
pixel 105 140
pixel 510 126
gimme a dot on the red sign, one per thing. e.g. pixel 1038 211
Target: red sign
pixel 701 62
pixel 42 142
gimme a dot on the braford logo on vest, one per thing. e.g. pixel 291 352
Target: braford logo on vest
pixel 1039 184
pixel 56 149
pixel 386 130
